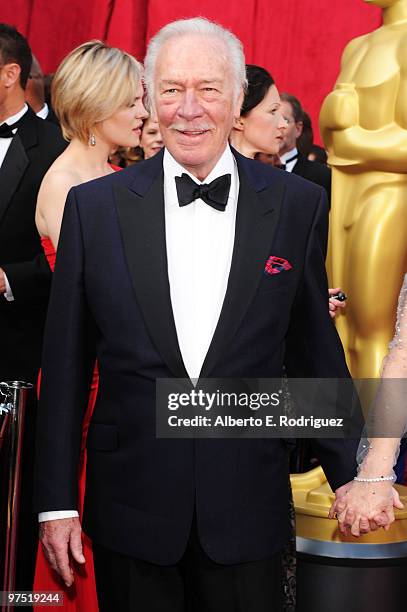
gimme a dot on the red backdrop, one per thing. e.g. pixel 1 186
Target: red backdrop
pixel 299 41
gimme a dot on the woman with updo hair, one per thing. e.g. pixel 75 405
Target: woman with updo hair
pixel 97 95
pixel 258 132
pixel 259 129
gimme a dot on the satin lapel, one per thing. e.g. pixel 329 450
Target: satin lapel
pixel 11 172
pixel 256 221
pixel 142 223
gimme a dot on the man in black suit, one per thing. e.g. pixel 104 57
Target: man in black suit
pixel 165 270
pixel 28 146
pixel 292 160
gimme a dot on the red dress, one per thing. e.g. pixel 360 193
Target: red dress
pixel 81 596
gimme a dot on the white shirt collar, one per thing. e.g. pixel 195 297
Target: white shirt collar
pixel 17 116
pixel 225 165
pixel 43 113
pixel 288 155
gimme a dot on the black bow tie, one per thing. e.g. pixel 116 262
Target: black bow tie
pixel 284 165
pixel 215 193
pixel 6 131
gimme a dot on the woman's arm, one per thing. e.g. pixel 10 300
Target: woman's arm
pixel 373 497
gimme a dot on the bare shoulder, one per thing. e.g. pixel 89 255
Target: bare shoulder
pixel 55 186
pixel 59 180
pixel 52 196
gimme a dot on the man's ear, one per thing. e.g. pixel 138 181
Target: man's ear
pixel 299 127
pixel 239 102
pixel 238 124
pixel 10 74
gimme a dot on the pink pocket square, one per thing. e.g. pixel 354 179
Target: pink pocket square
pixel 275 265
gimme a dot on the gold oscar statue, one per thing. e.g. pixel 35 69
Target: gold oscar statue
pixel 364 127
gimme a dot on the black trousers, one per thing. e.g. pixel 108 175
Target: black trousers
pixel 195 584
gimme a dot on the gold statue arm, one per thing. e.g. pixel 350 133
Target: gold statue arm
pixel 384 148
pixel 340 109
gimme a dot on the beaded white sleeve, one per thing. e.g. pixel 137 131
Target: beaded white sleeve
pixel 400 336
pixel 389 410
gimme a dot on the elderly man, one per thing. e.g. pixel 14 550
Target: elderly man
pixel 160 276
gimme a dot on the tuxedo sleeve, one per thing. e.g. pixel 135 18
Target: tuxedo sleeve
pixel 29 281
pixel 314 350
pixel 68 359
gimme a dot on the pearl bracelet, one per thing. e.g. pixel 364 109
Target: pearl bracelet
pixel 379 479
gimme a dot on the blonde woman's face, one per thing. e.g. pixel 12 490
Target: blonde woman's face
pixel 123 128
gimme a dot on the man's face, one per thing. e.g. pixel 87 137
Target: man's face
pixel 3 81
pixel 10 88
pixel 34 91
pixel 195 101
pixel 292 129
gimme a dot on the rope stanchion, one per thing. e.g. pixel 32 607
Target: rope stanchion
pixel 13 397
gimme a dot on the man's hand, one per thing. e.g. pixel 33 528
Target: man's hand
pixel 340 509
pixel 2 282
pixel 334 305
pixel 340 500
pixel 59 538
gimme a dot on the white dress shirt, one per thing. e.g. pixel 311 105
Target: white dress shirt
pixel 199 242
pixel 43 113
pixel 289 166
pixel 199 249
pixel 6 142
pixel 4 147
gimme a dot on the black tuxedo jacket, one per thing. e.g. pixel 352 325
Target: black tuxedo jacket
pixel 111 298
pixel 51 117
pixel 315 172
pixel 33 149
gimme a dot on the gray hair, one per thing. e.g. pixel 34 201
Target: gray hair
pixel 197 25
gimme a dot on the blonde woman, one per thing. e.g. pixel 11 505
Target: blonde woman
pixel 97 94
